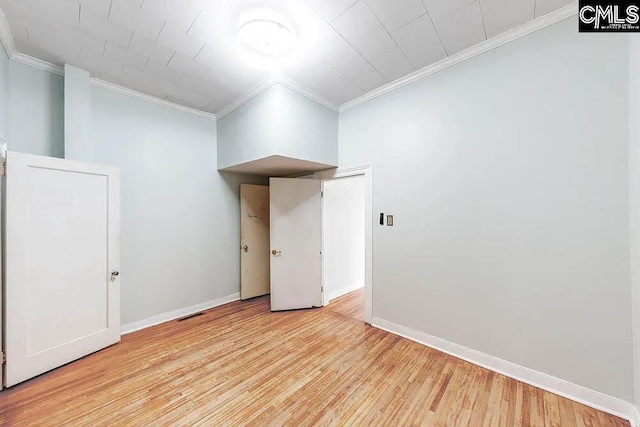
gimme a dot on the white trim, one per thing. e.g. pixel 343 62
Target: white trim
pixel 492 43
pixel 536 24
pixel 10 47
pixel 154 100
pixel 343 291
pixel 37 63
pixel 246 97
pixel 580 394
pixel 267 84
pixel 367 171
pixel 288 83
pixel 175 314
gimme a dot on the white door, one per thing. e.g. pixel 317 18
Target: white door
pixel 62 283
pixel 296 243
pixel 254 241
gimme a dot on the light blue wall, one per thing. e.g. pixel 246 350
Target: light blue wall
pixel 77 114
pixel 36 111
pixel 180 217
pixel 507 179
pixel 278 122
pixel 4 92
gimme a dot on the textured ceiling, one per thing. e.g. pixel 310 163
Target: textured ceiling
pixel 183 50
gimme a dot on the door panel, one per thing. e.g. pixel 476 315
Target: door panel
pixel 296 243
pixel 254 241
pixel 62 223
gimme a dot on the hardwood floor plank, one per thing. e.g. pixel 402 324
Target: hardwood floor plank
pixel 240 364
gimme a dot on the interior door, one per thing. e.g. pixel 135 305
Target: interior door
pixel 296 243
pixel 62 285
pixel 254 241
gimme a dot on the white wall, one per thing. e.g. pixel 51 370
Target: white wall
pixel 344 239
pixel 278 122
pixel 507 176
pixel 180 217
pixel 634 201
pixel 36 111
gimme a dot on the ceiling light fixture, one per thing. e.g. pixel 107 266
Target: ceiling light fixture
pixel 266 44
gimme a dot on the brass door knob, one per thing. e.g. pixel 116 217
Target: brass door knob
pixel 275 253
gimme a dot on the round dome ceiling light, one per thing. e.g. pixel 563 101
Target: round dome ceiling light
pixel 266 44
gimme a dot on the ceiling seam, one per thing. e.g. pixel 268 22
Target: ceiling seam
pixel 354 48
pixel 433 23
pixel 391 36
pixel 484 27
pixel 349 43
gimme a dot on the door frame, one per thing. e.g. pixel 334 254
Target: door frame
pixel 365 170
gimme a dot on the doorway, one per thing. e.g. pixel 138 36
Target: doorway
pixel 347 234
pixel 343 233
pixel 316 270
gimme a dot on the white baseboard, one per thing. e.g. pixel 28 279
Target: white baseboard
pixel 580 394
pixel 343 291
pixel 175 314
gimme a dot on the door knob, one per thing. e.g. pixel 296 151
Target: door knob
pixel 244 248
pixel 275 253
pixel 114 275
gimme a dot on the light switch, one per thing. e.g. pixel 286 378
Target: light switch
pixel 390 220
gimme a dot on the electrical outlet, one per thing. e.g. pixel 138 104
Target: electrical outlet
pixel 390 220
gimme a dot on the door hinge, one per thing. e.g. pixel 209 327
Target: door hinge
pixel 3 358
pixel 4 168
pixel 321 193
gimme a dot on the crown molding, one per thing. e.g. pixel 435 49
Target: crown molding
pixel 537 24
pixel 267 84
pixel 490 44
pixel 246 97
pixel 288 83
pixel 37 63
pixel 152 99
pixel 6 37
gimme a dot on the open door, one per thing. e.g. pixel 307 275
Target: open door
pixel 62 287
pixel 296 243
pixel 254 241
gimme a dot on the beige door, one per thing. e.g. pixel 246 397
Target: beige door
pixel 254 241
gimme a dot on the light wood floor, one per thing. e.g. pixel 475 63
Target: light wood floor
pixel 240 364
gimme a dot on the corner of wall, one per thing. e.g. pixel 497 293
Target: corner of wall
pixel 634 204
pixel 4 92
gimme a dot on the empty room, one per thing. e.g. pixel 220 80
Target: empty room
pixel 320 212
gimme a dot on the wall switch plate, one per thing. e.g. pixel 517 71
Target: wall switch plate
pixel 390 220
